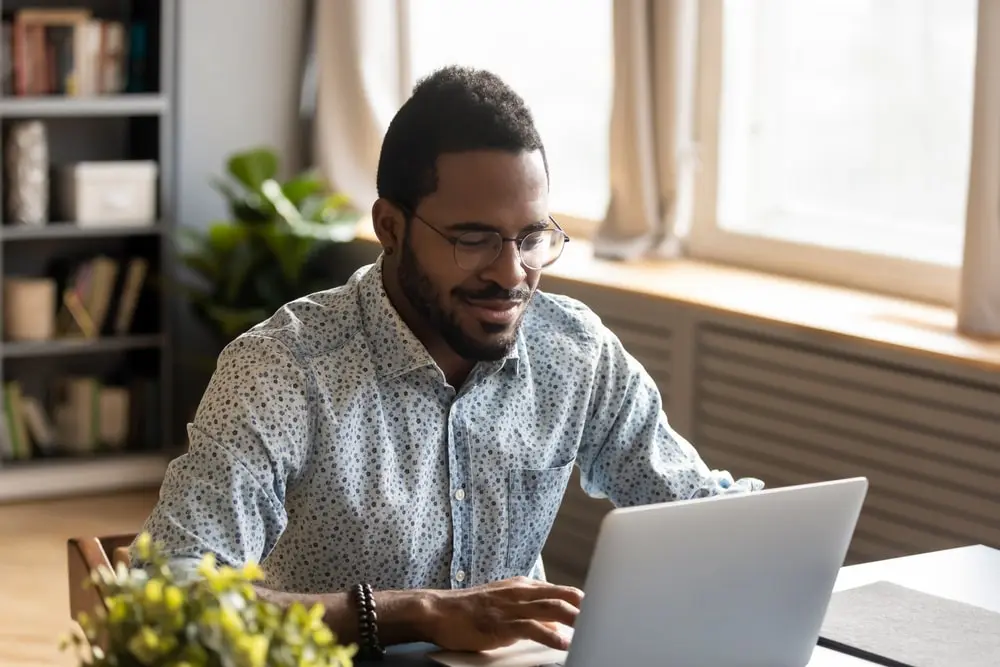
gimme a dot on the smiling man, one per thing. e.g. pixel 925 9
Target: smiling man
pixel 402 444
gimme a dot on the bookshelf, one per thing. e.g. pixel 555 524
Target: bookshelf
pixel 101 84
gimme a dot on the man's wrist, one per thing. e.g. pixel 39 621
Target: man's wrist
pixel 404 616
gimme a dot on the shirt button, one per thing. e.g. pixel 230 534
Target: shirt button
pixel 460 494
pixel 460 576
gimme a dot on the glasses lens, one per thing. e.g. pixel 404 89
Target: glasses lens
pixel 539 249
pixel 476 250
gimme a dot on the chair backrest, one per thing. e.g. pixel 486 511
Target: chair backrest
pixel 84 555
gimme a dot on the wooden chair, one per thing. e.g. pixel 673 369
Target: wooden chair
pixel 84 555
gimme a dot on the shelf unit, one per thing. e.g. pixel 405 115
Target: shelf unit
pixel 100 127
pixel 133 104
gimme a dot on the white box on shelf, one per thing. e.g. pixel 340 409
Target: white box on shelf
pixel 109 192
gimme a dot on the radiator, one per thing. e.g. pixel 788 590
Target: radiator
pixel 929 444
pixel 760 401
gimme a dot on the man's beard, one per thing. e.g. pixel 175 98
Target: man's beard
pixel 425 299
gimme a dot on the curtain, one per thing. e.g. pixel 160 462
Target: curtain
pixel 979 301
pixel 651 137
pixel 307 90
pixel 360 81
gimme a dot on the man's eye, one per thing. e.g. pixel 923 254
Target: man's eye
pixel 475 240
pixel 532 242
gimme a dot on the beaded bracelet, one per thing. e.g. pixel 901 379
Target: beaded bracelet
pixel 369 647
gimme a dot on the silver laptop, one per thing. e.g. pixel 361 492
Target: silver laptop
pixel 729 580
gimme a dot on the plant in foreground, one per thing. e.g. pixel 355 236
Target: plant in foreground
pixel 152 618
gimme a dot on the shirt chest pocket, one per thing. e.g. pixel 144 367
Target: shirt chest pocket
pixel 534 497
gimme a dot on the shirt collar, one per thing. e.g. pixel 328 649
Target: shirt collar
pixel 395 349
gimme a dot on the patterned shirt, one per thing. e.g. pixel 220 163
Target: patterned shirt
pixel 330 448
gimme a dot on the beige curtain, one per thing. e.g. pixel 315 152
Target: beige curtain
pixel 979 303
pixel 652 156
pixel 361 80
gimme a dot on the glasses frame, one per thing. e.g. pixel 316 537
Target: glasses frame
pixel 517 241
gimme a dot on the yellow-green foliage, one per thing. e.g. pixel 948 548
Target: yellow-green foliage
pixel 153 619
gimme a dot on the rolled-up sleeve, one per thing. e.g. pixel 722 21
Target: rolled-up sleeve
pixel 630 453
pixel 247 443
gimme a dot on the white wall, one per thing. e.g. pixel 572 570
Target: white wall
pixel 237 86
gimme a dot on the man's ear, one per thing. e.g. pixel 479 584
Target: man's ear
pixel 389 225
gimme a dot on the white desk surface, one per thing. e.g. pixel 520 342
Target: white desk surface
pixel 966 574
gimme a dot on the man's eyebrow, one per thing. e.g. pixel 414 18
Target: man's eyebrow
pixel 472 226
pixel 535 226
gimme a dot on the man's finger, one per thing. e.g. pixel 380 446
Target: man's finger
pixel 541 633
pixel 551 609
pixel 551 591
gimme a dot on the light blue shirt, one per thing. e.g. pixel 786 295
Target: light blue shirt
pixel 330 448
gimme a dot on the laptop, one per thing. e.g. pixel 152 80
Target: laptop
pixel 742 579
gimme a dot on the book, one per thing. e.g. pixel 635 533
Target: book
pixel 66 51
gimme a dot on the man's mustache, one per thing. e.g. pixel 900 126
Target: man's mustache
pixel 494 293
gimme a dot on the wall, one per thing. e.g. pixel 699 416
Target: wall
pixel 237 86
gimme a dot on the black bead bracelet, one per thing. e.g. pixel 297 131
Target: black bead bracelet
pixel 369 647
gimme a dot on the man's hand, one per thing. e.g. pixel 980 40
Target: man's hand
pixel 480 618
pixel 494 615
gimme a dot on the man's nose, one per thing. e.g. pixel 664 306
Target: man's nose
pixel 507 270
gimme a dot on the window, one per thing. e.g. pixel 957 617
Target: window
pixel 558 55
pixel 837 136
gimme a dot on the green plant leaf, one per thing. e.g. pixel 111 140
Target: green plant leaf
pixel 223 237
pixel 332 232
pixel 285 209
pixel 235 321
pixel 252 167
pixel 328 208
pixel 226 189
pixel 273 293
pixel 313 207
pixel 289 249
pixel 245 206
pixel 241 261
pixel 202 265
pixel 303 186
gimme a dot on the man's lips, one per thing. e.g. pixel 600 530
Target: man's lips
pixel 497 311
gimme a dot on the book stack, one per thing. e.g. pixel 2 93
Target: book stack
pixel 97 287
pixel 86 417
pixel 70 52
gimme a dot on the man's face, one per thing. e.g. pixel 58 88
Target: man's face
pixel 477 312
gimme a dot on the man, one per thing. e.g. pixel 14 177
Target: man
pixel 415 429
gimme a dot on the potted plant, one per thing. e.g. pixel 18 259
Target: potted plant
pixel 150 618
pixel 269 253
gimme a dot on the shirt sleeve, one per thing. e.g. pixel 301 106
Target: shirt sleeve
pixel 630 453
pixel 247 443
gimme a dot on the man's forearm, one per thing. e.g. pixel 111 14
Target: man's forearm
pixel 403 616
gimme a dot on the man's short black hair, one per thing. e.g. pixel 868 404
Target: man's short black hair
pixel 455 109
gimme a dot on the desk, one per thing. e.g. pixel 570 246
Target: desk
pixel 966 574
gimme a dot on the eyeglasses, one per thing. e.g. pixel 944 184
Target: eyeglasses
pixel 475 250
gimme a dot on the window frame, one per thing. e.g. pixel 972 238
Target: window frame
pixel 707 240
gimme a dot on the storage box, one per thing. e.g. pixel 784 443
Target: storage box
pixel 108 193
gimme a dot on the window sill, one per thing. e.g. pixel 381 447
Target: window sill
pixel 909 326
